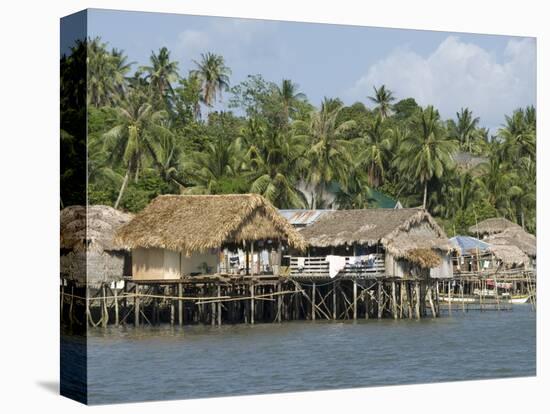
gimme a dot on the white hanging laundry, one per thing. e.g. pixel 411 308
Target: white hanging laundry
pixel 335 264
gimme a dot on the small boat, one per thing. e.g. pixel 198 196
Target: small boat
pixel 519 299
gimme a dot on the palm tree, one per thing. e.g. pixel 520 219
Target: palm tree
pixel 218 160
pixel 465 129
pixel 519 135
pixel 383 98
pixel 129 143
pixel 289 97
pixel 161 73
pixel 427 152
pixel 373 150
pixel 106 75
pixel 328 154
pixel 213 75
pixel 273 161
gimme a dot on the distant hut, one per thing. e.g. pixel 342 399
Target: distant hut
pixel 519 238
pixel 177 236
pixel 509 256
pixel 474 255
pixel 88 253
pixel 375 242
pixel 492 226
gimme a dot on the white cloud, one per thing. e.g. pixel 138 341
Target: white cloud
pixel 240 41
pixel 459 74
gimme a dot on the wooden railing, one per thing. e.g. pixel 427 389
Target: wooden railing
pixel 318 267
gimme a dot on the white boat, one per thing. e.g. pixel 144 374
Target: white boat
pixel 519 299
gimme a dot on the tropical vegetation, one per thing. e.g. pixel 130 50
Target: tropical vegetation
pixel 154 130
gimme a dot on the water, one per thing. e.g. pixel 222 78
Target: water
pixel 125 364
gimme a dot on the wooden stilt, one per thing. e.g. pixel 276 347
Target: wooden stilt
pixel 394 300
pixel 71 311
pixel 136 307
pixel 401 299
pixel 366 297
pixel 417 301
pixel 252 303
pixel 180 304
pixel 449 297
pixel 432 307
pixel 219 312
pixel 115 294
pixel 172 306
pixel 88 316
pixel 380 304
pixel 354 300
pixel 334 301
pixel 104 311
pixel 313 310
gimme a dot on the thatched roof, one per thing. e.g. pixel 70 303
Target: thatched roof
pixel 516 236
pixel 91 226
pixel 492 226
pixel 509 255
pixel 191 223
pixel 425 258
pixel 400 231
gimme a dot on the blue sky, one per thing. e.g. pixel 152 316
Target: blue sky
pixel 490 74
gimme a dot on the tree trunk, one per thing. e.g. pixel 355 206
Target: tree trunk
pixel 425 195
pixel 122 187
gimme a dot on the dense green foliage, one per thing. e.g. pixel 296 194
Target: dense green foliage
pixel 158 131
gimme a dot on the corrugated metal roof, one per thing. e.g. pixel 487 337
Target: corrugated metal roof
pixel 467 243
pixel 302 217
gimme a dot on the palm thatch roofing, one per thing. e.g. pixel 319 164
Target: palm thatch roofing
pixel 192 223
pixel 516 236
pixel 492 226
pixel 405 232
pixel 509 255
pixel 91 228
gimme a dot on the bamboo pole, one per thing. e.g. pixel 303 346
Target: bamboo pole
pixel 394 300
pixel 180 304
pixel 354 299
pixel 334 301
pixel 219 312
pixel 449 296
pixel 252 302
pixel 115 294
pixel 417 302
pixel 366 298
pixel 279 303
pixel 136 307
pixel 380 305
pixel 313 311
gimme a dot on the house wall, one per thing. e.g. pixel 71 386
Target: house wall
pixel 155 264
pixel 97 267
pixel 193 264
pixel 394 267
pixel 445 270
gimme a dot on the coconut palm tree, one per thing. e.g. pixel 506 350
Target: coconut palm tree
pixel 427 152
pixel 465 130
pixel 273 161
pixel 519 134
pixel 383 98
pixel 373 150
pixel 328 154
pixel 106 75
pixel 213 75
pixel 161 74
pixel 289 96
pixel 129 143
